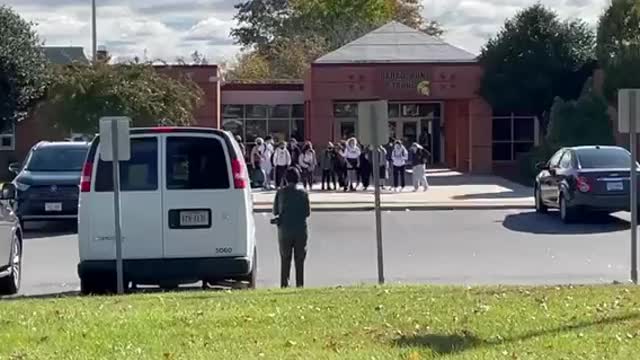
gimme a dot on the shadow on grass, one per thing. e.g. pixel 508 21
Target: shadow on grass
pixel 443 344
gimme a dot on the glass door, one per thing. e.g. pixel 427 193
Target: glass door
pixel 409 132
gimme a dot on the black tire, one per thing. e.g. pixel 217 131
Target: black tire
pixel 567 213
pixel 98 284
pixel 541 208
pixel 10 284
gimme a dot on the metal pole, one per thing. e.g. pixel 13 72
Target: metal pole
pixel 116 206
pixel 94 40
pixel 376 188
pixel 634 185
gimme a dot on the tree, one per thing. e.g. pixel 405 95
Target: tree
pixel 311 28
pixel 23 67
pixel 533 59
pixel 618 28
pixel 622 72
pixel 249 65
pixel 618 46
pixel 584 121
pixel 83 94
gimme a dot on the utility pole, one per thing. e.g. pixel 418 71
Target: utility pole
pixel 93 32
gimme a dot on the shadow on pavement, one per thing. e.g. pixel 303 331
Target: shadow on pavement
pixel 443 344
pixel 550 224
pixel 39 230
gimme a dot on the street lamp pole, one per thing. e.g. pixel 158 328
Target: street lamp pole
pixel 93 32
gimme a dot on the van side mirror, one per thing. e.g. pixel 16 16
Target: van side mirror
pixel 8 192
pixel 542 166
pixel 15 167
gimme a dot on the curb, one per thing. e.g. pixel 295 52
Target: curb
pixel 435 207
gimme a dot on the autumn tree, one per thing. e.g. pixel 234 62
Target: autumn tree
pixel 82 95
pixel 289 35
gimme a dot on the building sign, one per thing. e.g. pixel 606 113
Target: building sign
pixel 412 80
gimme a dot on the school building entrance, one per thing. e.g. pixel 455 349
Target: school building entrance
pixel 431 88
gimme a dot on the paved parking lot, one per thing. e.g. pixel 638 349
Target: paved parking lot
pixel 439 247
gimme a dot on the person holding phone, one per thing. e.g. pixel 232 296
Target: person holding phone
pixel 291 209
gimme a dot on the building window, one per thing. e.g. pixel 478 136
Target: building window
pixel 297 129
pixel 513 136
pixel 251 121
pixel 345 110
pixel 8 139
pixel 280 112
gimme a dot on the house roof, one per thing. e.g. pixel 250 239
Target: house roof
pixel 65 55
pixel 397 43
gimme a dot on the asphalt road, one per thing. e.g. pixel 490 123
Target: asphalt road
pixel 438 247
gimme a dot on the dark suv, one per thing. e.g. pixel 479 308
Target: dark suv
pixel 48 181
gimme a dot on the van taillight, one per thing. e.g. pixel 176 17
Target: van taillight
pixel 85 180
pixel 240 176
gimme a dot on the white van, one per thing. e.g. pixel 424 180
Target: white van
pixel 186 207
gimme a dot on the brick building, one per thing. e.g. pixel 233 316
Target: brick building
pixel 431 86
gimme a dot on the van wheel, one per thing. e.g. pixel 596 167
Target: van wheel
pixel 95 284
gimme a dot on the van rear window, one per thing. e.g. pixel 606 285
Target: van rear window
pixel 140 173
pixel 196 163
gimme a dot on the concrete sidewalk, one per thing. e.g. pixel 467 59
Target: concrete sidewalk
pixel 448 190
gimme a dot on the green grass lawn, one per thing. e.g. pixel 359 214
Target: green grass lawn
pixel 346 323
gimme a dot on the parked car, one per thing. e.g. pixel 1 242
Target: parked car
pixel 584 179
pixel 10 243
pixel 186 209
pixel 48 181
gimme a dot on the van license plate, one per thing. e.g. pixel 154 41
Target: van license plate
pixel 53 207
pixel 194 218
pixel 615 186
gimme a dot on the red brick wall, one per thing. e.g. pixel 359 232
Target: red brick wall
pixel 453 84
pixel 207 78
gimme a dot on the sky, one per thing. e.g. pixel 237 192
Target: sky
pixel 168 29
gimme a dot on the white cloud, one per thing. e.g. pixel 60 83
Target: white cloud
pixel 470 23
pixel 168 29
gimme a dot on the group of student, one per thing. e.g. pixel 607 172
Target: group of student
pixel 347 165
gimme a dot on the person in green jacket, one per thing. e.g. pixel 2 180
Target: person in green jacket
pixel 291 209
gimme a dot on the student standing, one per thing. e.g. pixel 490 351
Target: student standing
pixel 291 208
pixel 399 157
pixel 267 153
pixel 257 155
pixel 419 163
pixel 281 161
pixel 366 167
pixel 352 155
pixel 327 165
pixel 294 150
pixel 382 165
pixel 307 162
pixel 341 167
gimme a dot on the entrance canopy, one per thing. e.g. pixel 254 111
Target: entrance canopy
pixel 397 43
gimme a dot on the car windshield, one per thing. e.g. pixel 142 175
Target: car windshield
pixel 54 158
pixel 607 158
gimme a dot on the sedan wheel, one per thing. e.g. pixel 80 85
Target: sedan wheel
pixel 540 206
pixel 566 213
pixel 10 284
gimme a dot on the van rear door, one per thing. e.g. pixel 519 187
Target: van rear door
pixel 141 201
pixel 204 214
